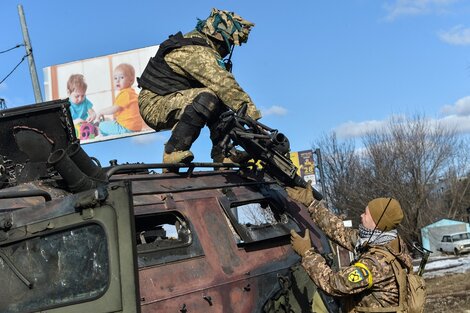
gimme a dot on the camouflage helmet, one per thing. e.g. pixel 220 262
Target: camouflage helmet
pixel 225 26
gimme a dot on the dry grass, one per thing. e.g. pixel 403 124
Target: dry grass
pixel 448 294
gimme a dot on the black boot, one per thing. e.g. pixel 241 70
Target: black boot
pixel 205 108
pixel 182 137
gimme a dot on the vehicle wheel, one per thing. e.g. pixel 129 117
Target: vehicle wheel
pixel 456 252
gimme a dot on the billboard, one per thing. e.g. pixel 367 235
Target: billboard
pixel 305 164
pixel 107 107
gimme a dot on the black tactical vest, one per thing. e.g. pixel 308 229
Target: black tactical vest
pixel 159 77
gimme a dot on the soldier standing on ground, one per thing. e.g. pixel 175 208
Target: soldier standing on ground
pixel 187 85
pixel 369 282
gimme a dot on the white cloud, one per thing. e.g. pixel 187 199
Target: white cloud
pixel 460 108
pixel 148 138
pixel 274 110
pixel 459 121
pixel 416 7
pixel 352 129
pixel 458 35
pixel 461 124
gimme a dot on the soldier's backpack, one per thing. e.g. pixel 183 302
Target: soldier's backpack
pixel 411 287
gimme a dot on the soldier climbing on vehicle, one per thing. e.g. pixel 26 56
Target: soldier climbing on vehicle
pixel 188 84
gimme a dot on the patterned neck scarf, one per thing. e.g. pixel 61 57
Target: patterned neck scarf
pixel 374 237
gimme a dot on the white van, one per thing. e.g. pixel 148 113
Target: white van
pixel 456 243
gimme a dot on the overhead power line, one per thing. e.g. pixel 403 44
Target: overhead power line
pixel 17 46
pixel 24 57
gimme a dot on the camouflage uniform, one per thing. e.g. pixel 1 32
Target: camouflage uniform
pixel 204 64
pixel 186 86
pixel 369 282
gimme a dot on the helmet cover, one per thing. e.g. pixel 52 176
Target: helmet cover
pixel 225 26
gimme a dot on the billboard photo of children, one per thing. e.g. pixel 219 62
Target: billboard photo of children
pixel 102 92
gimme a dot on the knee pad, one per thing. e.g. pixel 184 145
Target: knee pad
pixel 191 117
pixel 207 104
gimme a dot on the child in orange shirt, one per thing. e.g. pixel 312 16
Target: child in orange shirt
pixel 125 110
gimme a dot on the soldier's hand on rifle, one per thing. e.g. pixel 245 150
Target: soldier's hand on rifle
pixel 300 244
pixel 302 195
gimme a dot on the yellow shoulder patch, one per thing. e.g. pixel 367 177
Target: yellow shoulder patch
pixel 355 276
pixel 362 269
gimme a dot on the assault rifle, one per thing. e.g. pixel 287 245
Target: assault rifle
pixel 425 253
pixel 263 144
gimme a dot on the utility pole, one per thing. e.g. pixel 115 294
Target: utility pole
pixel 29 53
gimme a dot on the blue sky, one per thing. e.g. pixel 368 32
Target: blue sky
pixel 312 67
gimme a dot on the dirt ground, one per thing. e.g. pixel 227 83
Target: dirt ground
pixel 449 293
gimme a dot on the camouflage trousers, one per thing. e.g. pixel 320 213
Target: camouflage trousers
pixel 163 112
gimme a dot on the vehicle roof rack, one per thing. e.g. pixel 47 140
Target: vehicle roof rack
pixel 135 168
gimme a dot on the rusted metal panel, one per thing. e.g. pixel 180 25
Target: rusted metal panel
pixel 227 278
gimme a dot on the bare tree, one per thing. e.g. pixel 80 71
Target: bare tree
pixel 407 160
pixel 455 184
pixel 342 166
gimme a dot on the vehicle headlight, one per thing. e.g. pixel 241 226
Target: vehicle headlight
pixel 460 247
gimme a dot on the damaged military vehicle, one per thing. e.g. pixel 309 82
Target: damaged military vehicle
pixel 79 237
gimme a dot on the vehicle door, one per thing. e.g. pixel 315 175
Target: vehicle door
pixel 446 244
pixel 75 254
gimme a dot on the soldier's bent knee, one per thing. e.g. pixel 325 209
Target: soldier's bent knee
pixel 192 117
pixel 206 104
